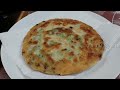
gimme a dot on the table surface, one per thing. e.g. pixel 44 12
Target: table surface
pixel 113 16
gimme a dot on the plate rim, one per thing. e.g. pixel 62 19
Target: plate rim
pixel 12 76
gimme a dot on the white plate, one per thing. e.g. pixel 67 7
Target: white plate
pixel 111 70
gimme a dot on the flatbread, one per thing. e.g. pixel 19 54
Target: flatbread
pixel 62 47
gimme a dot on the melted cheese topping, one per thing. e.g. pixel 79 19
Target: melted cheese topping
pixel 66 41
pixel 57 55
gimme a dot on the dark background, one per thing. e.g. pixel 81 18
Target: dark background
pixel 7 20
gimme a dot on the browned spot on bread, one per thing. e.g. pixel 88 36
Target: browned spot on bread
pixel 72 46
pixel 88 31
pixel 50 58
pixel 35 42
pixel 37 64
pixel 56 46
pixel 45 44
pixel 45 24
pixel 65 23
pixel 64 49
pixel 71 53
pixel 85 27
pixel 90 55
pixel 53 68
pixel 30 42
pixel 30 34
pixel 75 60
pixel 34 30
pixel 29 62
pixel 100 55
pixel 71 27
pixel 47 38
pixel 46 66
pixel 67 31
pixel 23 52
pixel 57 23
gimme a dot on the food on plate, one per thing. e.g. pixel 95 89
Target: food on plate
pixel 62 47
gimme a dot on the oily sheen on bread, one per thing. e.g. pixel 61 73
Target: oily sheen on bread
pixel 62 47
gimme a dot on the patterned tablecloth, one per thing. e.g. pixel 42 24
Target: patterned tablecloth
pixel 113 16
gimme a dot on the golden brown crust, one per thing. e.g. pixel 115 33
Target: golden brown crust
pixel 91 49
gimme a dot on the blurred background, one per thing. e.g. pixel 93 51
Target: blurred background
pixel 7 19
